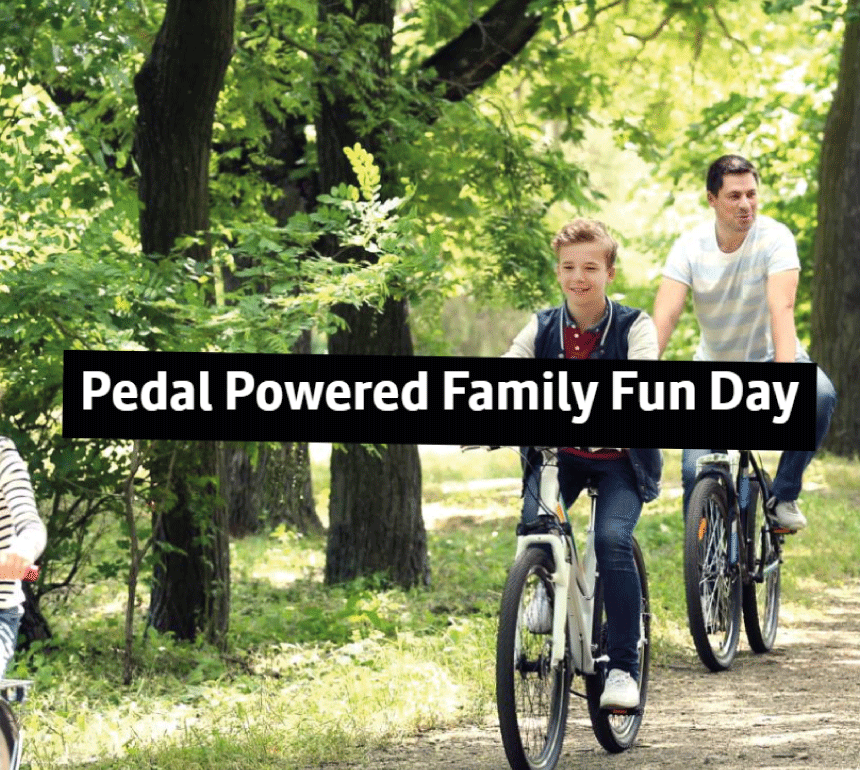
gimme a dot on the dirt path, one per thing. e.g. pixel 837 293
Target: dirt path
pixel 798 706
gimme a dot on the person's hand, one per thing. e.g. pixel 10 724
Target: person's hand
pixel 13 566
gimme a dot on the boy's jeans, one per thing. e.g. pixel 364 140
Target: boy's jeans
pixel 792 464
pixel 10 621
pixel 618 509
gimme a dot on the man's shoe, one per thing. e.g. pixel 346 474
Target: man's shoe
pixel 538 614
pixel 620 691
pixel 786 514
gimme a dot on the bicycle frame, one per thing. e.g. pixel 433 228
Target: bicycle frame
pixel 574 577
pixel 751 573
pixel 738 492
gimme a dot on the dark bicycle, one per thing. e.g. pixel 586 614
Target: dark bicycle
pixel 732 558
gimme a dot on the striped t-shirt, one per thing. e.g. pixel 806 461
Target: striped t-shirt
pixel 730 290
pixel 21 529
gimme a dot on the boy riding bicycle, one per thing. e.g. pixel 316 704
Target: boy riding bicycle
pixel 589 325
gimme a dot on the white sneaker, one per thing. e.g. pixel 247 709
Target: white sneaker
pixel 538 614
pixel 620 691
pixel 787 514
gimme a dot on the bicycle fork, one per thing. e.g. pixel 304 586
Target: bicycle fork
pixel 577 607
pixel 561 580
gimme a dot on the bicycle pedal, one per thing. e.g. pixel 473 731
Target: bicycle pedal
pixel 622 712
pixel 783 531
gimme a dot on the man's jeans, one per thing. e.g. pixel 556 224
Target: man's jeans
pixel 10 621
pixel 792 464
pixel 618 510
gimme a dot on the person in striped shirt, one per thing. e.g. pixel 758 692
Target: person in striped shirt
pixel 743 270
pixel 22 540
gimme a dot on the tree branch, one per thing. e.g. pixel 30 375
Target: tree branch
pixel 724 27
pixel 482 49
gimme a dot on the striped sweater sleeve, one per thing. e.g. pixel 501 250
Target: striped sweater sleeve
pixel 21 529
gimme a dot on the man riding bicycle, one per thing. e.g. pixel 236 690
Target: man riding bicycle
pixel 743 270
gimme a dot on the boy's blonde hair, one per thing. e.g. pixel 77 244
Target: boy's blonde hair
pixel 582 230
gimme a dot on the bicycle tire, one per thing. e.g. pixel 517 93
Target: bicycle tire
pixel 9 732
pixel 616 733
pixel 713 589
pixel 532 698
pixel 761 600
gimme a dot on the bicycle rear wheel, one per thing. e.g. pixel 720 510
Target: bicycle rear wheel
pixel 532 697
pixel 761 600
pixel 616 732
pixel 713 587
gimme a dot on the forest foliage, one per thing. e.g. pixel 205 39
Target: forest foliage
pixel 611 109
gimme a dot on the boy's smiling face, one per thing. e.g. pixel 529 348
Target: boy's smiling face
pixel 583 274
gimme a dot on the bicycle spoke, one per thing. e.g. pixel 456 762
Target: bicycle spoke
pixel 712 583
pixel 532 696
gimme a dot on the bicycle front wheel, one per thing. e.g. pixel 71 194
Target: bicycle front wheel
pixel 616 732
pixel 761 600
pixel 531 695
pixel 713 586
pixel 9 736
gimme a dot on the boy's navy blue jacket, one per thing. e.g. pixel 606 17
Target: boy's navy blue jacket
pixel 549 343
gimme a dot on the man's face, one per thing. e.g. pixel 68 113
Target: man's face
pixel 582 273
pixel 736 202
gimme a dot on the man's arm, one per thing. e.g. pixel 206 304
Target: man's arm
pixel 668 306
pixel 781 294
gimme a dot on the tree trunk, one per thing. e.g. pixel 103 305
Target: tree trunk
pixel 191 575
pixel 836 287
pixel 177 90
pixel 176 599
pixel 288 496
pixel 242 490
pixel 375 520
pixel 375 509
pixel 276 489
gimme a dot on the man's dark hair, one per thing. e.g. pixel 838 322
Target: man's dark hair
pixel 728 164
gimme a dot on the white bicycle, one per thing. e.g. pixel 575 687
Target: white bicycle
pixel 11 691
pixel 538 657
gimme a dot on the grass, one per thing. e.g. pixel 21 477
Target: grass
pixel 314 674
